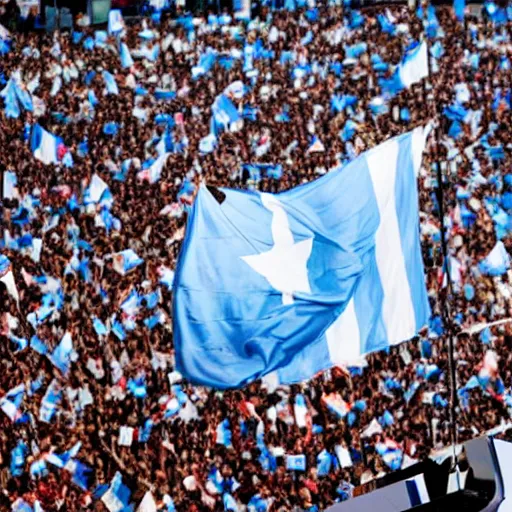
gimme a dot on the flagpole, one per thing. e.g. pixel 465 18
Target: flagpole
pixel 444 298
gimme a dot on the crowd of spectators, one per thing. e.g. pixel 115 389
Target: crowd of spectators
pixel 316 94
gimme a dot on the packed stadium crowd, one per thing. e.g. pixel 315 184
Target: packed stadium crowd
pixel 94 415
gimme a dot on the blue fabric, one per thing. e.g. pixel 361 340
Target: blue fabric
pixel 161 94
pixel 5 46
pixel 224 113
pixel 18 458
pixel 296 462
pixel 62 354
pixel 82 475
pixel 229 503
pixel 459 7
pixel 341 102
pixel 110 83
pixel 356 19
pixel 455 112
pixel 324 462
pixel 274 171
pixel 110 129
pixel 227 335
pixel 432 24
pixel 385 25
pixel 12 108
pixel 125 56
pixel 392 85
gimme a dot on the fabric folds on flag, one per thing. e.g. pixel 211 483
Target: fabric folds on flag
pixel 303 280
pixel 414 66
pixel 44 145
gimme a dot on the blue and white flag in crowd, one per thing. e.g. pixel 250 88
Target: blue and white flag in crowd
pixel 115 22
pixel 391 454
pixel 331 270
pixel 497 262
pixel 5 40
pixel 18 458
pixel 223 433
pixel 386 23
pixel 225 114
pixel 117 498
pixel 316 146
pixel 16 98
pixel 324 461
pixel 336 404
pixel 44 145
pixel 230 504
pixel 64 354
pixel 20 505
pixel 296 462
pixel 7 277
pixel 9 189
pixel 24 98
pixel 10 404
pixel 257 171
pixel 125 56
pixel 414 66
pixel 459 7
pixel 110 83
pixel 126 261
pixel 258 504
pixel 242 9
pixel 82 474
pixel 8 93
pixel 50 402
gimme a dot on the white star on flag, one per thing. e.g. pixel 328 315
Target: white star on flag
pixel 285 265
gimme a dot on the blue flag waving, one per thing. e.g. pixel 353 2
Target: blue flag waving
pixel 303 280
pixel 459 6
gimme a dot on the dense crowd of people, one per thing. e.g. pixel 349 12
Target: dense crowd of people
pixel 94 415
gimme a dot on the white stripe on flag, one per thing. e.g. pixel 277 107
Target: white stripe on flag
pixel 415 67
pixel 8 280
pixel 47 151
pixel 344 338
pixel 419 139
pixel 397 308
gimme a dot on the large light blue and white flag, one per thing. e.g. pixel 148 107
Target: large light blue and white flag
pixel 414 66
pixel 303 280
